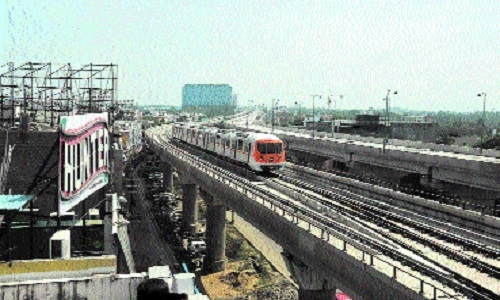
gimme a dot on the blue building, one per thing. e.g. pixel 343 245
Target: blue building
pixel 208 98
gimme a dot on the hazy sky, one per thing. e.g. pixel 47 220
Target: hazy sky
pixel 437 54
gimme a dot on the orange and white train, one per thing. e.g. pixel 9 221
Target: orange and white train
pixel 261 152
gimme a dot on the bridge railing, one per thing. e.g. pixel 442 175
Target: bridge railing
pixel 405 143
pixel 314 226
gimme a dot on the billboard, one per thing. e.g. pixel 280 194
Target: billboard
pixel 83 159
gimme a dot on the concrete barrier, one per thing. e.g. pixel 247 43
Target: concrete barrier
pixel 481 174
pixel 56 268
pixel 99 287
pixel 408 143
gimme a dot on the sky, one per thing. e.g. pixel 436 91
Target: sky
pixel 438 55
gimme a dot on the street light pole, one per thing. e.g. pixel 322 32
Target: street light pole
pixel 273 104
pixel 272 116
pixel 388 122
pixel 249 101
pixel 314 112
pixel 314 131
pixel 484 118
pixel 330 99
pixel 299 110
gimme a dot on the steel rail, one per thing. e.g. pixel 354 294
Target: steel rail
pixel 364 213
pixel 469 243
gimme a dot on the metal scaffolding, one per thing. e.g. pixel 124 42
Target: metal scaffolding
pixel 45 91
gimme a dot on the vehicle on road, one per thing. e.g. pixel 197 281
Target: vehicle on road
pixel 197 247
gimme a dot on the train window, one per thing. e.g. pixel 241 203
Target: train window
pixel 270 148
pixel 276 148
pixel 228 143
pixel 240 145
pixel 261 147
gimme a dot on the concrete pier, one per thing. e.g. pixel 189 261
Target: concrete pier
pixel 168 177
pixel 312 284
pixel 357 279
pixel 189 207
pixel 316 294
pixel 215 260
pixel 109 245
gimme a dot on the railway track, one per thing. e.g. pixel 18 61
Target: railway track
pixel 423 192
pixel 451 278
pixel 489 245
pixel 401 227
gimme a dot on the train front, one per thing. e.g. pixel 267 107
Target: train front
pixel 269 154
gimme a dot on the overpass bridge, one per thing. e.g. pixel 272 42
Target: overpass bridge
pixel 453 164
pixel 322 254
pixel 470 173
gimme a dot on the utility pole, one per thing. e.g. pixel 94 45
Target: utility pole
pixel 484 119
pixel 12 95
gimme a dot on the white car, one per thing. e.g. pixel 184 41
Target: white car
pixel 197 247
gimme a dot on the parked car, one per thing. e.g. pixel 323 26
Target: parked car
pixel 197 247
pixel 176 216
pixel 156 175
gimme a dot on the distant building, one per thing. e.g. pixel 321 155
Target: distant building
pixel 130 136
pixel 367 120
pixel 310 123
pixel 414 128
pixel 209 98
pixel 207 95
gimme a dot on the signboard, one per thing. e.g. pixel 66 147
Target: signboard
pixel 83 159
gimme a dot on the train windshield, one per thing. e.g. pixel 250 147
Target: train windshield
pixel 270 148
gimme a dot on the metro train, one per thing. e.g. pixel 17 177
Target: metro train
pixel 260 152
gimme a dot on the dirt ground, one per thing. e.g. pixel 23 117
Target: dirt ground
pixel 247 276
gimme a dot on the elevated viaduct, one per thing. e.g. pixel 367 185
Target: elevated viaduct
pixel 470 173
pixel 471 170
pixel 316 260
